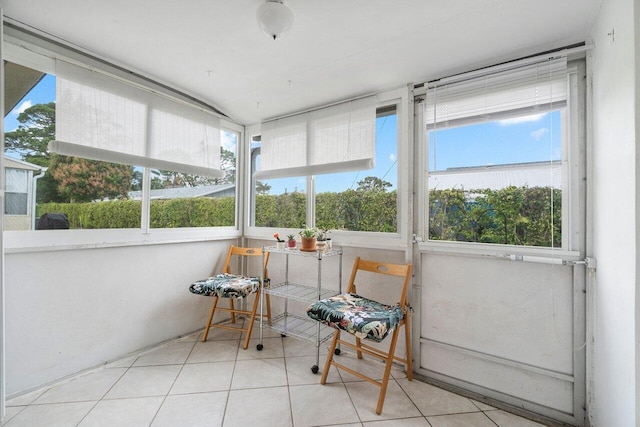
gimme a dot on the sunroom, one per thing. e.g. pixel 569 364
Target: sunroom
pixel 491 145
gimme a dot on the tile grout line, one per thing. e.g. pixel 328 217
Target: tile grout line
pixel 108 390
pixel 164 399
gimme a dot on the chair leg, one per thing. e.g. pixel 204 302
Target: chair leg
pixel 358 344
pixel 232 307
pixel 252 319
pixel 327 363
pixel 387 371
pixel 211 313
pixel 408 355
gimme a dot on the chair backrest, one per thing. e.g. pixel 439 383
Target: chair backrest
pixel 400 270
pixel 245 252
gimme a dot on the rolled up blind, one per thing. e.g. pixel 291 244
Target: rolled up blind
pixel 102 118
pixel 338 138
pixel 491 95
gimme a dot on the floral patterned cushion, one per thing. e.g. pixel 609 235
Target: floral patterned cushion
pixel 357 315
pixel 226 286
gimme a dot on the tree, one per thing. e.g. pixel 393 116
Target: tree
pixel 228 164
pixel 36 129
pixel 372 183
pixel 262 188
pixel 82 180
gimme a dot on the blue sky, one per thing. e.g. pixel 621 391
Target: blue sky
pixel 531 138
pixel 42 93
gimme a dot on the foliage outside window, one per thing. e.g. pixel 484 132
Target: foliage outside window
pixel 278 202
pixel 355 201
pixel 183 200
pixel 364 200
pixel 498 181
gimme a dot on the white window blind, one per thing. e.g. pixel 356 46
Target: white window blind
pixel 102 118
pixel 334 139
pixel 492 94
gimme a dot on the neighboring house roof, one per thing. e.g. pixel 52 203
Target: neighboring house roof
pixel 20 164
pixel 495 177
pixel 184 192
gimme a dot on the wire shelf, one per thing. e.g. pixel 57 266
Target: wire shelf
pixel 300 327
pixel 299 292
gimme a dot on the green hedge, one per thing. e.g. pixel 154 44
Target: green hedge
pixel 199 212
pixel 529 216
pixel 514 215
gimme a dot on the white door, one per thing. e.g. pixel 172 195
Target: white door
pixel 502 273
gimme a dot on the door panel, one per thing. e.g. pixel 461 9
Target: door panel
pixel 501 328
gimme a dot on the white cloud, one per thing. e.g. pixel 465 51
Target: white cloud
pixel 392 157
pixel 20 109
pixel 538 134
pixel 523 119
pixel 229 141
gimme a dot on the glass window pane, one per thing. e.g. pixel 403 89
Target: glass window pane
pixel 364 200
pixel 91 194
pixel 498 181
pixel 280 202
pixel 184 200
pixel 15 204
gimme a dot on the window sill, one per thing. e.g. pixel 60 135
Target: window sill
pixel 60 240
pixel 497 250
pixel 355 239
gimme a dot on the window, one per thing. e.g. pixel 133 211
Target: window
pixel 496 156
pixel 101 194
pixel 186 200
pixel 17 190
pixel 277 202
pixel 364 200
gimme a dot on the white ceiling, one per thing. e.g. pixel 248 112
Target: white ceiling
pixel 337 49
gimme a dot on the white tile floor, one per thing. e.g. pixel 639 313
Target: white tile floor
pixel 217 383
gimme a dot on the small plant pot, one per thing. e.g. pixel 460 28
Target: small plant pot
pixel 291 244
pixel 308 244
pixel 280 246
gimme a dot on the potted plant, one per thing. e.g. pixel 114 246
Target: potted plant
pixel 308 239
pixel 321 243
pixel 291 241
pixel 324 235
pixel 279 242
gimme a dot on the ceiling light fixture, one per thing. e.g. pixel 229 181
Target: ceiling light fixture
pixel 274 18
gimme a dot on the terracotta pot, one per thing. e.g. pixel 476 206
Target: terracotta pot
pixel 308 243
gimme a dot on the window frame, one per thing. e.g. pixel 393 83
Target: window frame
pixel 397 240
pixel 40 54
pixel 570 159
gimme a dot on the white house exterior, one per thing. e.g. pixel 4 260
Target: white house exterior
pixel 496 177
pixel 19 209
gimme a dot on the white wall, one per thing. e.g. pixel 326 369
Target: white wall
pixel 614 215
pixel 71 310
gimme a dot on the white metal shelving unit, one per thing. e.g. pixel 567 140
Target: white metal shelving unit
pixel 289 324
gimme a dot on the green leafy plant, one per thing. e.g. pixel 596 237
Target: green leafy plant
pixel 308 232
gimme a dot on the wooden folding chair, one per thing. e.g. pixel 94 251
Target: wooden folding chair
pixel 368 319
pixel 232 287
